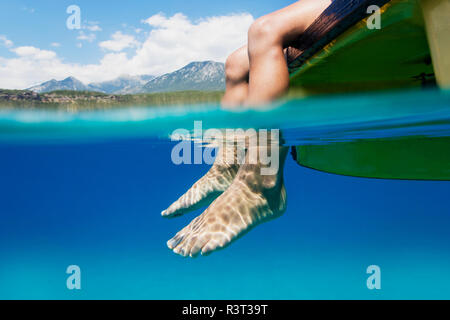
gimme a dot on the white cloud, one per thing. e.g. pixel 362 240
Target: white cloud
pixel 55 44
pixel 119 42
pixel 170 43
pixel 5 41
pixel 32 53
pixel 175 41
pixel 93 28
pixel 28 9
pixel 86 37
pixel 89 35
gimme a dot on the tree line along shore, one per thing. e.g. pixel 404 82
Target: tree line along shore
pixel 88 100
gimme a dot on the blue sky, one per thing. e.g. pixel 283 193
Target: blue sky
pixel 41 25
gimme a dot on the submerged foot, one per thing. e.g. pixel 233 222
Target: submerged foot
pixel 249 201
pixel 205 190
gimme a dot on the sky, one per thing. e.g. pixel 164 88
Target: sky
pixel 118 38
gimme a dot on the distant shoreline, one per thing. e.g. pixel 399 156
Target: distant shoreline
pixel 82 100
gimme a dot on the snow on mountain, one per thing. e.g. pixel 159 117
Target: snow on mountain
pixel 205 76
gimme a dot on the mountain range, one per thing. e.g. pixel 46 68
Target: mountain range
pixel 202 76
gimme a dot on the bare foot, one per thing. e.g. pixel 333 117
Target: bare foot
pixel 208 188
pixel 250 200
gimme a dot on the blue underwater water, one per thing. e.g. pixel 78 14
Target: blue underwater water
pixel 87 189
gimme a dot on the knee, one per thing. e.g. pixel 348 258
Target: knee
pixel 263 33
pixel 237 66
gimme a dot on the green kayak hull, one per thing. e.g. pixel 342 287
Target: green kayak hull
pixel 413 158
pixel 395 56
pixel 361 59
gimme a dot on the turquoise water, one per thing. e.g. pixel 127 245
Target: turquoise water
pixel 303 121
pixel 87 189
